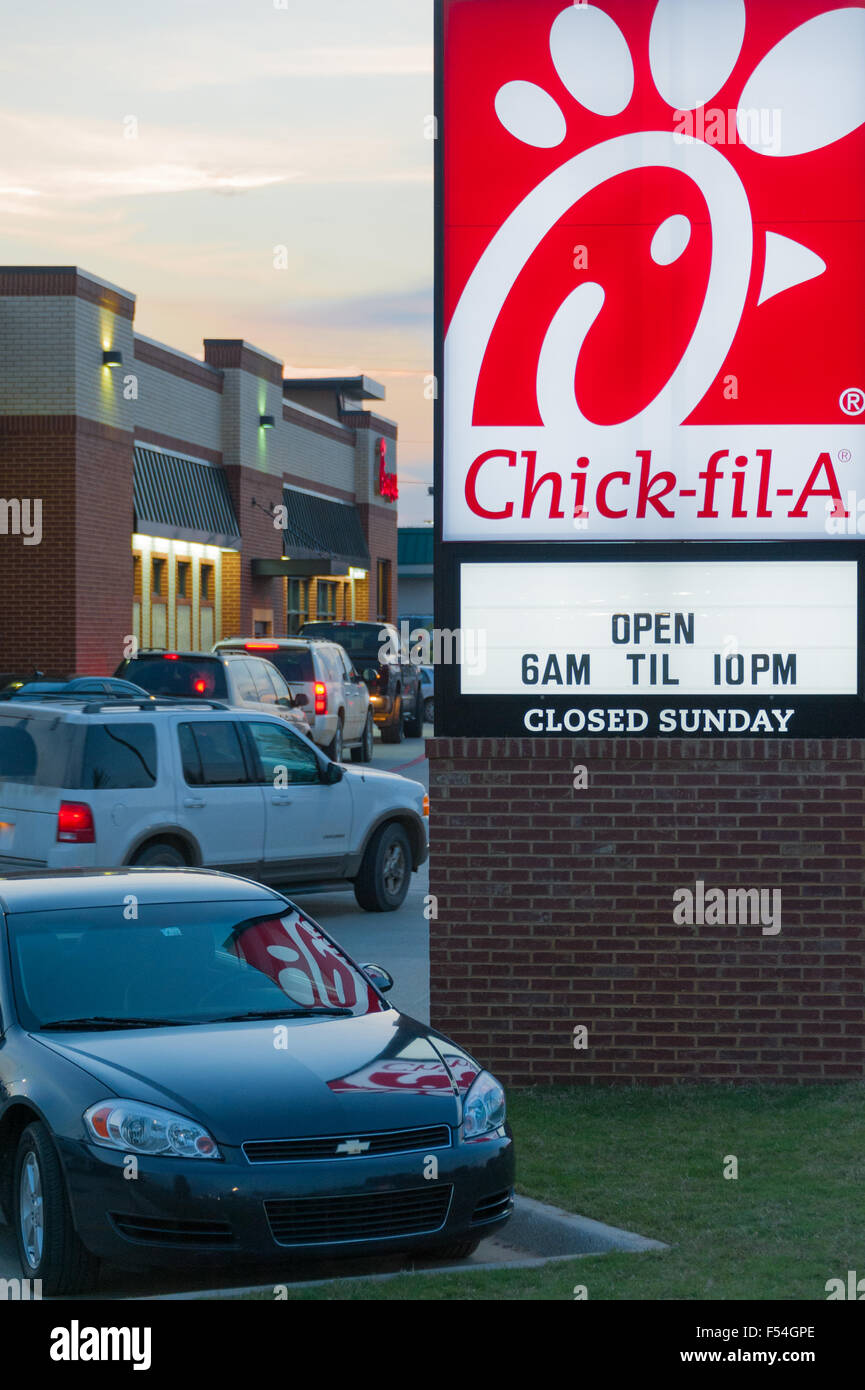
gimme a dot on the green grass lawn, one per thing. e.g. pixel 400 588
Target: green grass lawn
pixel 652 1161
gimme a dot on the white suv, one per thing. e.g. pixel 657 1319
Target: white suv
pixel 171 783
pixel 250 682
pixel 337 700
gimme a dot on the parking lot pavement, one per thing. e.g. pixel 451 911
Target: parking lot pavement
pixel 397 940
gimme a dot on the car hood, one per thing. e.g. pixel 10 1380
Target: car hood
pixel 332 1076
pixel 377 774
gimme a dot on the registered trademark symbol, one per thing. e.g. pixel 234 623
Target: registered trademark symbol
pixel 852 401
pixel 844 455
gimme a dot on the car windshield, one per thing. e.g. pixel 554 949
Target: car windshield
pixel 198 677
pixel 139 965
pixel 359 640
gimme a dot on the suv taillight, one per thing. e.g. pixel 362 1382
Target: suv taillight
pixel 75 823
pixel 320 697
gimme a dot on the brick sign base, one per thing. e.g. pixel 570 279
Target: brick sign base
pixel 554 908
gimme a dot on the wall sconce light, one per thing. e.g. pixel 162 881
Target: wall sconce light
pixel 266 422
pixel 111 357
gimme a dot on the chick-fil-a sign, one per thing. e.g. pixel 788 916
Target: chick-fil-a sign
pixel 654 266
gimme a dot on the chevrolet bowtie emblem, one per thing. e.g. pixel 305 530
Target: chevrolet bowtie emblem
pixel 353 1146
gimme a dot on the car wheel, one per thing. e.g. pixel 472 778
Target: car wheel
pixel 394 732
pixel 385 872
pixel 414 726
pixel 364 753
pixel 457 1249
pixel 48 1244
pixel 160 855
pixel 334 748
pixel 428 711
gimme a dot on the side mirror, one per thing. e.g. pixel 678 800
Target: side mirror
pixel 370 674
pixel 334 772
pixel 381 978
pixel 285 701
pixel 301 700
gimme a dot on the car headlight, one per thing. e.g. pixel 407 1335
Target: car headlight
pixel 136 1128
pixel 484 1107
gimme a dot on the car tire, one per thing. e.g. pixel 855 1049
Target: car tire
pixel 385 871
pixel 394 732
pixel 457 1249
pixel 429 710
pixel 160 855
pixel 364 752
pixel 414 725
pixel 334 748
pixel 49 1246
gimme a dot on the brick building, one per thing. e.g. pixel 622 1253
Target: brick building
pixel 554 908
pixel 181 500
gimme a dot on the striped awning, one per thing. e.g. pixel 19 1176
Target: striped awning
pixel 183 500
pixel 317 528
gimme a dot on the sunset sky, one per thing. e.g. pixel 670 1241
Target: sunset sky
pixel 170 146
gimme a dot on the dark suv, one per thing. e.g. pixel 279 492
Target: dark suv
pixel 395 694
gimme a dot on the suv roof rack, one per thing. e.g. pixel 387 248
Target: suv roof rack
pixel 168 701
pixel 50 695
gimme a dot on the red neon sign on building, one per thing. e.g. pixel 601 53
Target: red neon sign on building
pixel 387 482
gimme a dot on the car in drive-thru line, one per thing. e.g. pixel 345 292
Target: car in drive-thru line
pixel 269 1098
pixel 78 685
pixel 393 683
pixel 172 783
pixel 337 700
pixel 250 682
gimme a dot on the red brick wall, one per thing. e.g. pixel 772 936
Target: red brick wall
pixel 103 554
pixel 379 527
pixel 66 604
pixel 37 592
pixel 555 908
pixel 261 541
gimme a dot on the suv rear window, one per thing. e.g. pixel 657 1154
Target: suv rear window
pixel 200 677
pixel 294 664
pixel 34 751
pixel 119 755
pixel 360 639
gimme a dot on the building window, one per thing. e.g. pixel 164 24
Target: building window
pixel 184 576
pixel 158 602
pixel 136 598
pixel 326 600
pixel 207 605
pixel 296 605
pixel 383 591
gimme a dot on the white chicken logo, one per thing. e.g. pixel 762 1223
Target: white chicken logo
pixel 813 77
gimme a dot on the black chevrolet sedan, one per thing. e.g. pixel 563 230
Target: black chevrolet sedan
pixel 191 1070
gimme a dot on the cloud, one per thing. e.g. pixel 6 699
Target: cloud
pixel 226 57
pixel 78 160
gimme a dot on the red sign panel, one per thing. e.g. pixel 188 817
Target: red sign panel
pixel 654 269
pixel 387 482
